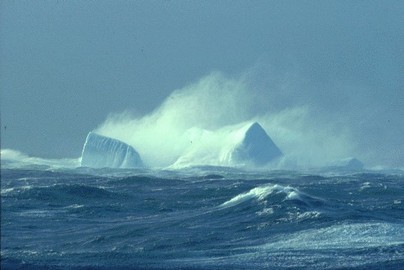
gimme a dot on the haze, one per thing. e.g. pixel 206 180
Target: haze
pixel 319 71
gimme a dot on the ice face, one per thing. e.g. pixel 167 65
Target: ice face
pixel 244 144
pixel 100 152
pixel 241 145
pixel 256 147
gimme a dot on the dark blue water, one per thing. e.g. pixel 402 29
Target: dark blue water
pixel 204 218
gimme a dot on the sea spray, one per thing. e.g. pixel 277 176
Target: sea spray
pixel 199 118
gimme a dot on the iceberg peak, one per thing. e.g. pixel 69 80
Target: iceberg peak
pixel 256 147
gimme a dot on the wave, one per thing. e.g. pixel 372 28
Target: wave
pixel 344 236
pixel 16 159
pixel 59 193
pixel 344 246
pixel 272 193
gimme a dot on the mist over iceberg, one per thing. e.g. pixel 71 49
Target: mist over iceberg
pixel 223 120
pixel 204 122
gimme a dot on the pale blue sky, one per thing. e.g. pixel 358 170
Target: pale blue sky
pixel 65 65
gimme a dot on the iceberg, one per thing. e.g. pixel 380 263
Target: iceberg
pixel 348 163
pixel 255 147
pixel 104 152
pixel 238 145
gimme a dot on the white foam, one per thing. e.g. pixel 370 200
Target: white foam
pixel 293 195
pixel 6 191
pixel 193 125
pixel 341 236
pixel 74 206
pixel 261 193
pixel 15 159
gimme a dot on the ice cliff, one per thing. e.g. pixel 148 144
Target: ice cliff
pixel 100 151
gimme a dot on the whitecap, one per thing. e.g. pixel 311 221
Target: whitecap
pixel 262 192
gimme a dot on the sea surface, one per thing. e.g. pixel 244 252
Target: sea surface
pixel 201 218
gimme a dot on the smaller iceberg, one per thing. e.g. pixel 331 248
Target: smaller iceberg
pixel 348 163
pixel 104 152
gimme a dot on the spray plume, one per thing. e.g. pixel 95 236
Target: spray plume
pixel 195 122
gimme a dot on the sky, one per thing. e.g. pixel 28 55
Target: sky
pixel 67 65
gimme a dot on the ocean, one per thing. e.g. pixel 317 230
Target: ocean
pixel 201 218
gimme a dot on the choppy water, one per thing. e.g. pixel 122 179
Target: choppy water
pixel 202 218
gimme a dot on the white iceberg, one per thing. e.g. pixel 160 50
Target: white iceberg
pixel 255 147
pixel 104 152
pixel 238 145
